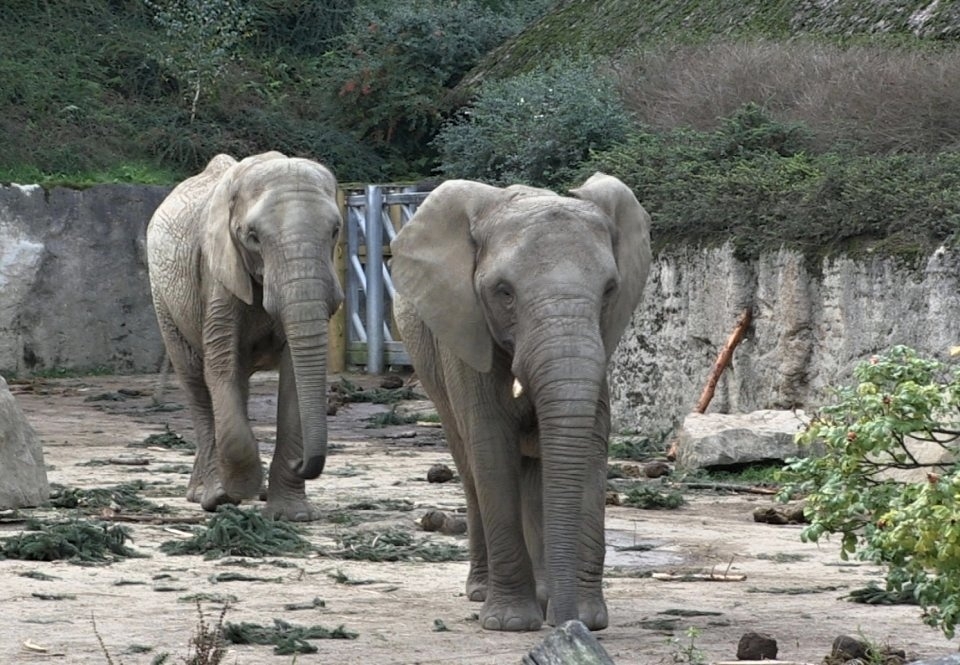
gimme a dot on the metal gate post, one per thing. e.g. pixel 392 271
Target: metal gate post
pixel 374 268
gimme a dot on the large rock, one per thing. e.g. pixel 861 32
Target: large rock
pixel 727 440
pixel 23 478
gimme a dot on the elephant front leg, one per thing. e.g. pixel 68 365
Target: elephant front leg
pixel 238 457
pixel 511 598
pixel 591 606
pixel 286 491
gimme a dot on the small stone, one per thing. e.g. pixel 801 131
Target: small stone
pixel 439 473
pixel 849 648
pixel 789 514
pixel 756 646
pixel 391 382
pixel 437 520
pixel 613 499
pixel 656 469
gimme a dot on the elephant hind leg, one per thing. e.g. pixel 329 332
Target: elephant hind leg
pixel 188 366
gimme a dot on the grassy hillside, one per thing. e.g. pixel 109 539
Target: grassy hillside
pixel 612 27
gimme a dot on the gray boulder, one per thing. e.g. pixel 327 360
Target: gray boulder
pixel 23 477
pixel 723 440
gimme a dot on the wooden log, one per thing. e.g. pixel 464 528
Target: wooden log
pixel 723 359
pixel 569 644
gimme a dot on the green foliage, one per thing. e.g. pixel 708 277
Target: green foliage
pixel 397 62
pixel 650 498
pixel 286 637
pixel 394 545
pixel 351 392
pixel 236 532
pixel 535 128
pixel 124 497
pixel 165 439
pixel 752 183
pixel 391 417
pixel 200 38
pixel 76 541
pixel 911 528
pixel 632 448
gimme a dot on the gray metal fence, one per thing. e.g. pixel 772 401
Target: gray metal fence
pixel 373 219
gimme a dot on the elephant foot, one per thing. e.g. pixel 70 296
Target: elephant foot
pixel 477 586
pixel 242 482
pixel 512 616
pixel 591 611
pixel 215 496
pixel 292 510
pixel 194 492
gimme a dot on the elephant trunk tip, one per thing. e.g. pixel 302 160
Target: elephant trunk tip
pixel 311 468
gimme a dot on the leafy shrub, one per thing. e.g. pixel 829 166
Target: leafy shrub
pixel 751 183
pixel 535 128
pixel 911 528
pixel 397 62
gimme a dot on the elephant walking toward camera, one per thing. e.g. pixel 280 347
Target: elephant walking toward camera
pixel 242 277
pixel 510 303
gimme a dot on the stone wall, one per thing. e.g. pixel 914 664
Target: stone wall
pixel 74 292
pixel 809 329
pixel 74 295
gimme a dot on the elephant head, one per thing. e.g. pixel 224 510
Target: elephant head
pixel 270 233
pixel 542 286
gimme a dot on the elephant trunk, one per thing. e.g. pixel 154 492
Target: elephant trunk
pixel 304 316
pixel 565 390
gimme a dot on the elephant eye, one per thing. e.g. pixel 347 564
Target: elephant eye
pixel 504 293
pixel 253 239
pixel 610 288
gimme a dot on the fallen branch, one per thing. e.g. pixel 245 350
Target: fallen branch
pixel 107 516
pixel 729 487
pixel 723 359
pixel 698 577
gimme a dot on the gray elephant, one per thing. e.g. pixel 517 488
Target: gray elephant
pixel 510 303
pixel 241 271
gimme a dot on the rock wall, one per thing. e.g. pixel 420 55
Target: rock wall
pixel 74 292
pixel 810 328
pixel 74 295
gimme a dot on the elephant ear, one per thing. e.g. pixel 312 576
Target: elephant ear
pixel 434 257
pixel 219 247
pixel 631 248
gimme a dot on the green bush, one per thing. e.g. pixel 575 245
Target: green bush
pixel 397 62
pixel 911 528
pixel 751 182
pixel 535 128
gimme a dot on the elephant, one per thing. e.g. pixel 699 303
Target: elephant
pixel 510 302
pixel 240 259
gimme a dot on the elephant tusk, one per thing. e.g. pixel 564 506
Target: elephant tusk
pixel 517 388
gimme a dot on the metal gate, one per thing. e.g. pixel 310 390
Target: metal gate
pixel 373 219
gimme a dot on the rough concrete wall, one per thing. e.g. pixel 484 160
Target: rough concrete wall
pixel 74 292
pixel 809 330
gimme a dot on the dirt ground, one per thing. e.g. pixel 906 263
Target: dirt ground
pixel 791 591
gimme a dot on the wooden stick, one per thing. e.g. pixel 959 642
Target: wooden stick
pixel 723 359
pixel 698 577
pixel 728 487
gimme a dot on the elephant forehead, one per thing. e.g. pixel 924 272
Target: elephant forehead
pixel 546 223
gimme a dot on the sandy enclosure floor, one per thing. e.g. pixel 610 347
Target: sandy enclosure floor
pixel 792 591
